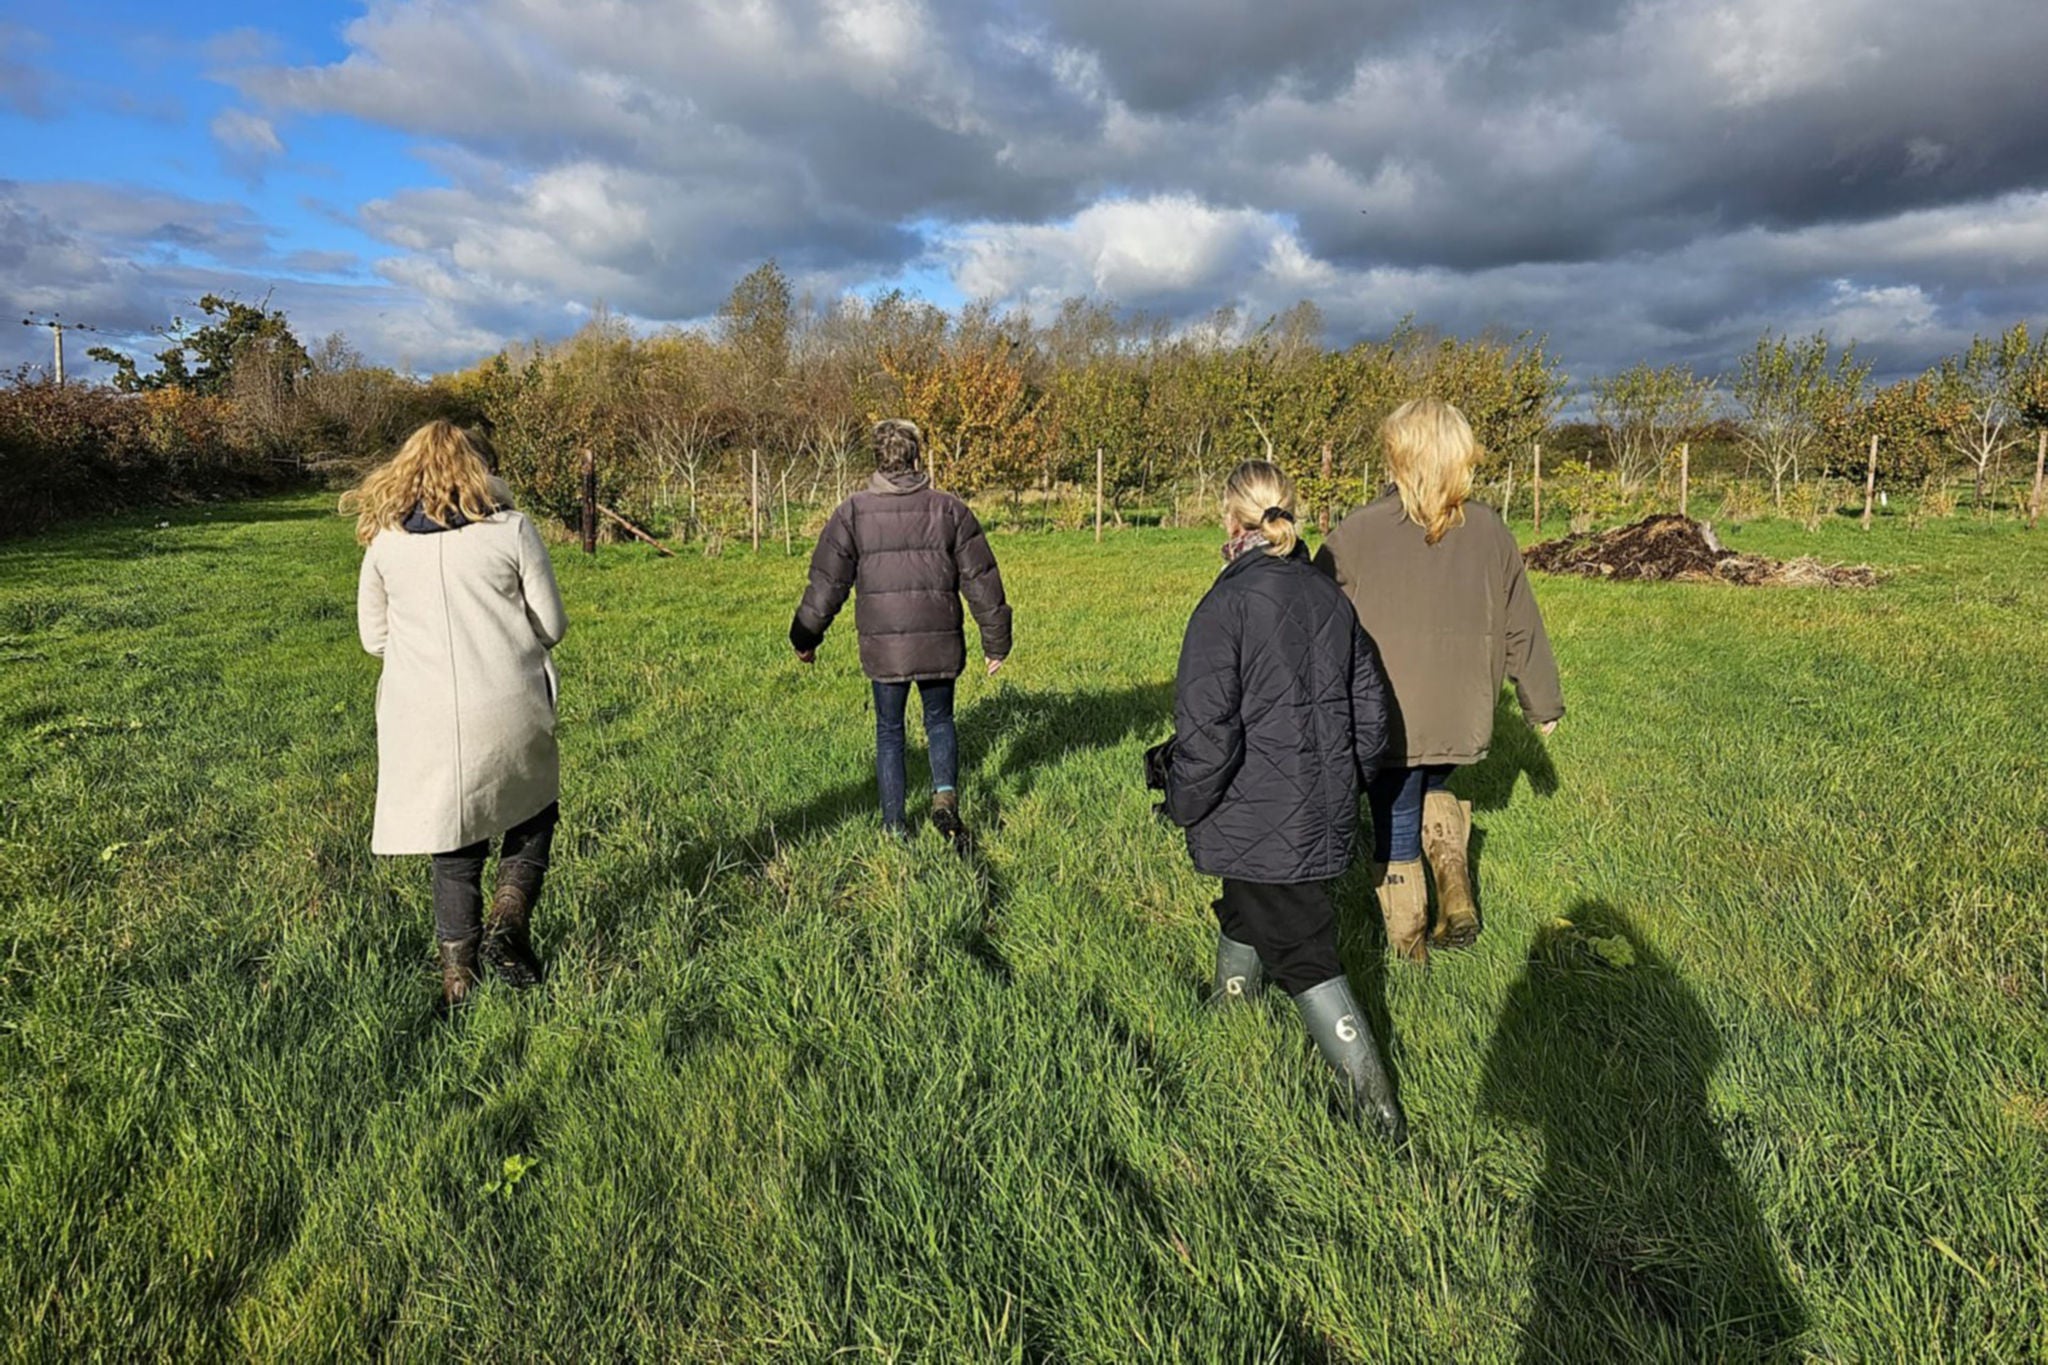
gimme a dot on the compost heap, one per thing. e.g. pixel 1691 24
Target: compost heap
pixel 1678 549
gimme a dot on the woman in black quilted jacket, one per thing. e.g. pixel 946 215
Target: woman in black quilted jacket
pixel 1280 714
pixel 908 553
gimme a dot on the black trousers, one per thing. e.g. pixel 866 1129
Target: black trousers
pixel 459 876
pixel 1293 928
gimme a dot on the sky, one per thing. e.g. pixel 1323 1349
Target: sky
pixel 435 178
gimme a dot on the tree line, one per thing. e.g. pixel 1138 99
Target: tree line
pixel 699 429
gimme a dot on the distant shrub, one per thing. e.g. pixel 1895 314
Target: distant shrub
pixel 1809 502
pixel 1742 501
pixel 73 448
pixel 1937 500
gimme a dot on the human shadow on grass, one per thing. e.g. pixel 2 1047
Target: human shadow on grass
pixel 1647 1244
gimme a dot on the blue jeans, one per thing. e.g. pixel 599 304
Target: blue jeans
pixel 939 737
pixel 1395 796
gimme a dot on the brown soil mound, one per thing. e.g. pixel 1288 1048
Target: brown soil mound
pixel 1669 548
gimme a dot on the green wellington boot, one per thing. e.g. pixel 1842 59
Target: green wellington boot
pixel 1239 974
pixel 1339 1027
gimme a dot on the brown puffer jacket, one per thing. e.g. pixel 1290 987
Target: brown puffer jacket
pixel 908 552
pixel 1451 621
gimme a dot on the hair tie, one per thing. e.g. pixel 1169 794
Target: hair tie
pixel 1277 514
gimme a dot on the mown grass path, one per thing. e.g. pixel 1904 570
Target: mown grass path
pixel 1777 1085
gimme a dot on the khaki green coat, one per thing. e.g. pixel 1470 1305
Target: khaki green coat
pixel 1451 621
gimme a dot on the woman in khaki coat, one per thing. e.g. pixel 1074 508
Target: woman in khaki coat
pixel 1437 582
pixel 458 598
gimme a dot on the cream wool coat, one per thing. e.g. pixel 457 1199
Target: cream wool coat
pixel 463 621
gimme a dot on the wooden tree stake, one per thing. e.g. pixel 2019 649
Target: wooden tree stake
pixel 788 544
pixel 754 499
pixel 589 502
pixel 2040 466
pixel 1323 515
pixel 1536 486
pixel 637 532
pixel 1098 495
pixel 1684 478
pixel 1870 482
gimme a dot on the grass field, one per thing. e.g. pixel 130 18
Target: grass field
pixel 1751 1062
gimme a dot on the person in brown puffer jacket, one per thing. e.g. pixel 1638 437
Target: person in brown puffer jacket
pixel 1438 584
pixel 908 553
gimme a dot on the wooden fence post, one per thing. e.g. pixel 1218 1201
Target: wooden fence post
pixel 1323 515
pixel 1098 495
pixel 1536 486
pixel 2040 466
pixel 788 543
pixel 1870 482
pixel 589 502
pixel 754 499
pixel 1684 478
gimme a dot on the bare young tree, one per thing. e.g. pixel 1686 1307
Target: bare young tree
pixel 1785 390
pixel 1987 380
pixel 1643 412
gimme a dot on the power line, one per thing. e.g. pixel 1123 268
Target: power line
pixel 58 327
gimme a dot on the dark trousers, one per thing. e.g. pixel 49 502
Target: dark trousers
pixel 1395 796
pixel 1293 928
pixel 939 736
pixel 459 876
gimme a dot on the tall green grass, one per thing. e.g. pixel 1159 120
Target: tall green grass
pixel 1751 1061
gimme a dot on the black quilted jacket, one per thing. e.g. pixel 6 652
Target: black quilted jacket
pixel 1280 713
pixel 907 552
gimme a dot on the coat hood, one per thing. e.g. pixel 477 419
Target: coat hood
pixel 899 481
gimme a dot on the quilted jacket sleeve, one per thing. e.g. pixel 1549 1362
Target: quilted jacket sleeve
pixel 1368 704
pixel 1208 693
pixel 981 583
pixel 832 571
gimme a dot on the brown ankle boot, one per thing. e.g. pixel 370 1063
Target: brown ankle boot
pixel 458 970
pixel 1404 905
pixel 507 945
pixel 1446 833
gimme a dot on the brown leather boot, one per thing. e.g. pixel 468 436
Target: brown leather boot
pixel 458 970
pixel 508 946
pixel 1404 905
pixel 1446 833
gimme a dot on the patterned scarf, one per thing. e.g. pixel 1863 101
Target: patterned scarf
pixel 1242 541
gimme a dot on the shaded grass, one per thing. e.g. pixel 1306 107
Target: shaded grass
pixel 1772 1087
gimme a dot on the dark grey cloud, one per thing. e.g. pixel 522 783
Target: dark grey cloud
pixel 1636 179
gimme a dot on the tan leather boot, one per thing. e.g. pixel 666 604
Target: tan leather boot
pixel 1404 905
pixel 1446 833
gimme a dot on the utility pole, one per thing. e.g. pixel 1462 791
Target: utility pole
pixel 55 322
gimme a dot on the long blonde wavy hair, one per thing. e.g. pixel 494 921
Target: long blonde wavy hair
pixel 437 470
pixel 1431 451
pixel 1256 490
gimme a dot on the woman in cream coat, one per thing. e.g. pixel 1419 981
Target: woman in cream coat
pixel 458 598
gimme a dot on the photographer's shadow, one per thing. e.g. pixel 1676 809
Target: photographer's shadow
pixel 1648 1247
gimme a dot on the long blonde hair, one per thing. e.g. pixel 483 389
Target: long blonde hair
pixel 437 470
pixel 1431 453
pixel 1260 495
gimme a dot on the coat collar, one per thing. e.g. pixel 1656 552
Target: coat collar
pixel 1244 562
pixel 899 481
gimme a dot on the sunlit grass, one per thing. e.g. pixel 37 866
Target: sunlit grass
pixel 1774 1084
